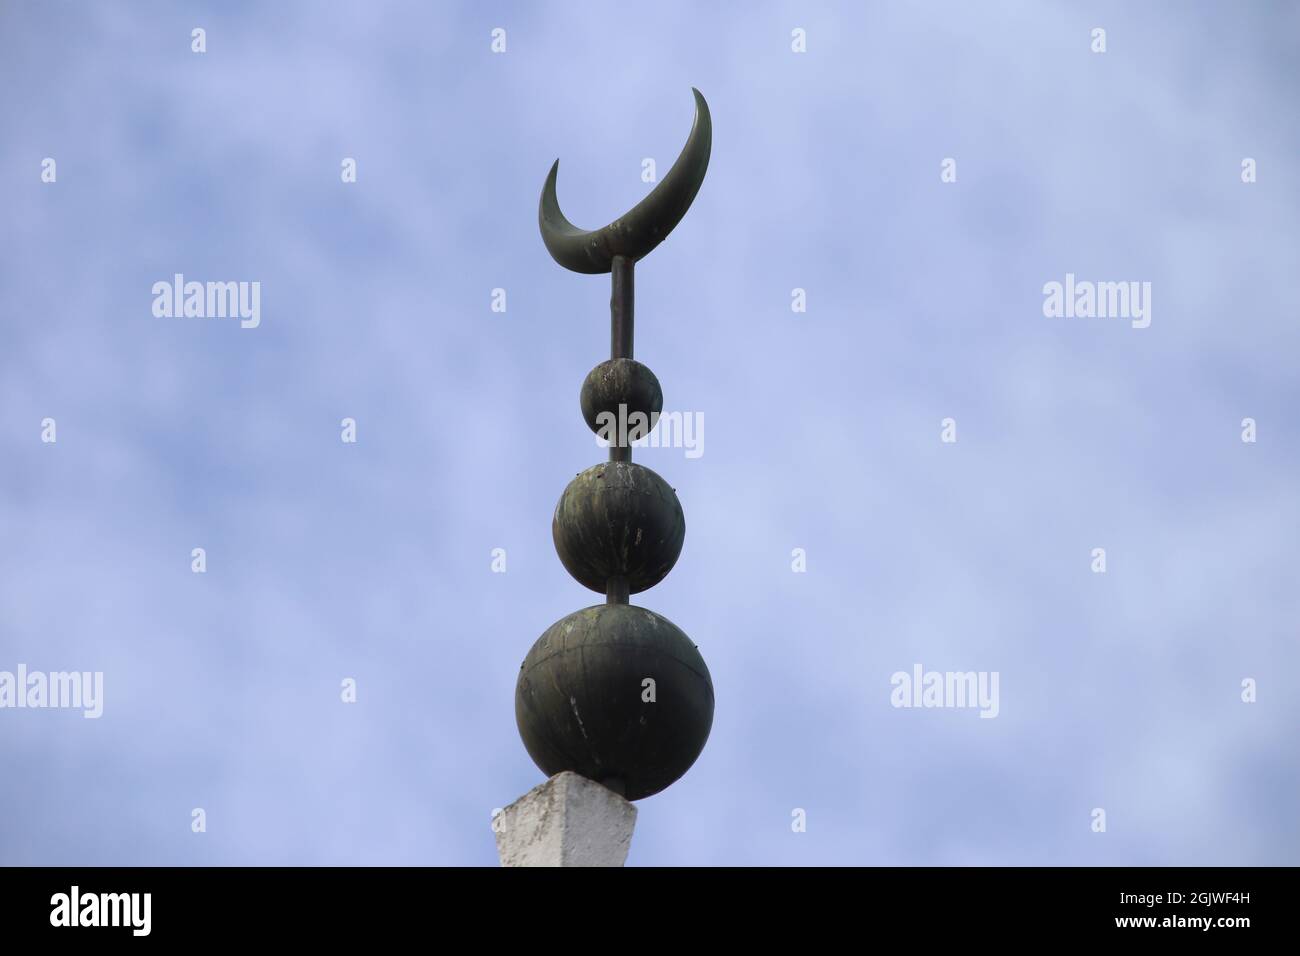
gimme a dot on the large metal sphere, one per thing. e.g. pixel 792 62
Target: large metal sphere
pixel 582 704
pixel 626 382
pixel 618 520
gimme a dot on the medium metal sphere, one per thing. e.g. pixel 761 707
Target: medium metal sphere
pixel 626 382
pixel 618 694
pixel 618 520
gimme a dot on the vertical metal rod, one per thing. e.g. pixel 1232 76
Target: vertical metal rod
pixel 616 591
pixel 621 295
pixel 622 291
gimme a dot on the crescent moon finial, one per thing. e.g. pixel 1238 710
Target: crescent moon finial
pixel 637 232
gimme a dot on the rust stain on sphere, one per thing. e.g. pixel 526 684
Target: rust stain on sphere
pixel 618 519
pixel 582 701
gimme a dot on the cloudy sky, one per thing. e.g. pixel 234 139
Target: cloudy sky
pixel 372 561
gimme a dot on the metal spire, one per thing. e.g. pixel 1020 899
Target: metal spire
pixel 615 692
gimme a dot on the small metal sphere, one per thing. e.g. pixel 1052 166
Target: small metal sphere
pixel 618 520
pixel 626 382
pixel 618 694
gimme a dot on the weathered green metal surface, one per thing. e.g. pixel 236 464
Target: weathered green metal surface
pixel 637 232
pixel 582 702
pixel 618 519
pixel 624 382
pixel 614 692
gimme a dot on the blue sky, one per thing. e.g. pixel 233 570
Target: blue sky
pixel 373 560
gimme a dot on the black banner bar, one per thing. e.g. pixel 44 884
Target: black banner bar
pixel 180 905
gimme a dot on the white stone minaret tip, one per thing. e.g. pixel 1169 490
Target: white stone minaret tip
pixel 566 821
